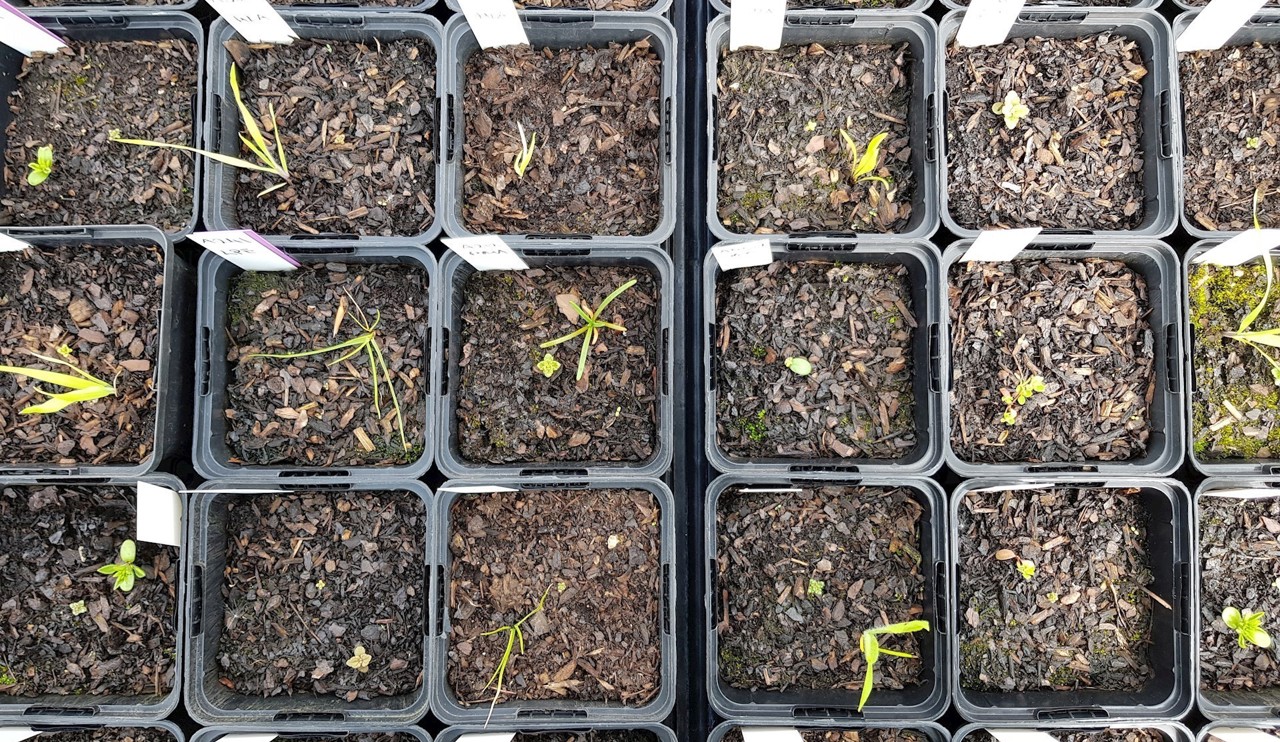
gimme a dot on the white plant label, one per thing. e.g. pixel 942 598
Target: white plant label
pixel 999 245
pixel 486 252
pixel 255 20
pixel 732 255
pixel 1245 493
pixel 247 249
pixel 159 515
pixel 475 489
pixel 9 244
pixel 24 35
pixel 1241 734
pixel 236 491
pixel 1242 248
pixel 769 734
pixel 16 734
pixel 247 737
pixel 489 737
pixel 756 23
pixel 494 22
pixel 1216 24
pixel 988 22
pixel 1021 735
pixel 1013 488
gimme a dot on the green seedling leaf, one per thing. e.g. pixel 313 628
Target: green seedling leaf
pixel 42 167
pixel 1012 109
pixel 590 331
pixel 870 158
pixel 871 650
pixel 84 387
pixel 124 571
pixel 1248 627
pixel 548 365
pixel 799 366
pixel 515 635
pixel 527 146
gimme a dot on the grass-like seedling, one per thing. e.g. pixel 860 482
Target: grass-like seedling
pixel 1256 339
pixel 274 163
pixel 515 636
pixel 590 331
pixel 42 167
pixel 1248 627
pixel 527 146
pixel 869 644
pixel 123 570
pixel 82 386
pixel 862 167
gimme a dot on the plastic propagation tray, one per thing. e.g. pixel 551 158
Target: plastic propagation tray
pixel 50 726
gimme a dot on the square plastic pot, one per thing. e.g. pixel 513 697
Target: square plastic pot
pixel 934 732
pixel 921 261
pixel 1161 121
pixel 1210 467
pixel 311 730
pixel 549 715
pixel 222 122
pixel 1061 5
pixel 1168 694
pixel 172 362
pixel 804 6
pixel 454 272
pixel 209 702
pixel 565 31
pixel 1171 731
pixel 120 23
pixel 1264 29
pixel 1266 725
pixel 41 726
pixel 1158 265
pixel 660 8
pixel 211 456
pixel 916 30
pixel 453 734
pixel 926 702
pixel 1245 703
pixel 113 710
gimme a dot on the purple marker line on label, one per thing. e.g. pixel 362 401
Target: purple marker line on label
pixel 258 238
pixel 22 17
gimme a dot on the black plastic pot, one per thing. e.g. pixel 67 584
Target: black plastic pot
pixel 1168 694
pixel 51 726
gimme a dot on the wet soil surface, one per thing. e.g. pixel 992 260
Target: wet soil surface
pixel 359 136
pixel 509 411
pixel 1082 327
pixel 1231 105
pixel 846 735
pixel 310 576
pixel 1239 566
pixel 1074 162
pixel 1082 619
pixel 597 556
pixel 597 164
pixel 784 165
pixel 124 643
pixel 801 574
pixel 104 304
pixel 1235 412
pixel 304 411
pixel 71 101
pixel 854 323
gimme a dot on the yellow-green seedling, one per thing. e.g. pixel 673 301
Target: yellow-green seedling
pixel 123 569
pixel 1248 627
pixel 799 366
pixel 869 644
pixel 267 162
pixel 590 331
pixel 1026 568
pixel 1256 339
pixel 40 169
pixel 816 588
pixel 515 637
pixel 862 167
pixel 1012 109
pixel 1027 388
pixel 548 365
pixel 365 345
pixel 360 659
pixel 527 146
pixel 81 386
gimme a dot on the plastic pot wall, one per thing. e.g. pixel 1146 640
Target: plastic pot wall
pixel 1158 265
pixel 659 8
pixel 921 261
pixel 804 6
pixel 81 725
pixel 934 732
pixel 453 734
pixel 312 730
pixel 1170 731
pixel 1169 693
pixel 211 455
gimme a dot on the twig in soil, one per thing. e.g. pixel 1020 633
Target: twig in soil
pixel 514 634
pixel 1156 598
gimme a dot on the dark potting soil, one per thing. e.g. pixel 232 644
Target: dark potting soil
pixel 1105 735
pixel 1239 567
pixel 359 136
pixel 1074 162
pixel 309 577
pixel 784 165
pixel 620 735
pixel 597 556
pixel 854 323
pixel 1080 325
pixel 55 537
pixel 111 734
pixel 846 735
pixel 104 304
pixel 71 101
pixel 596 167
pixel 509 411
pixel 304 411
pixel 1082 620
pixel 1231 104
pixel 801 574
pixel 1235 400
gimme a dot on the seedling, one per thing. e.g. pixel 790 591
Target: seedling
pixel 359 660
pixel 1248 627
pixel 1012 109
pixel 78 608
pixel 548 365
pixel 1253 142
pixel 515 635
pixel 871 650
pixel 862 167
pixel 83 386
pixel 815 588
pixel 590 332
pixel 365 344
pixel 267 162
pixel 527 146
pixel 42 167
pixel 123 569
pixel 799 366
pixel 1027 388
pixel 1026 568
pixel 1257 338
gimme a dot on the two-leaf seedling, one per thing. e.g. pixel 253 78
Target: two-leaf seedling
pixel 81 386
pixel 869 644
pixel 862 167
pixel 1257 338
pixel 527 146
pixel 590 331
pixel 515 635
pixel 275 164
pixel 42 167
pixel 1248 627
pixel 123 569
